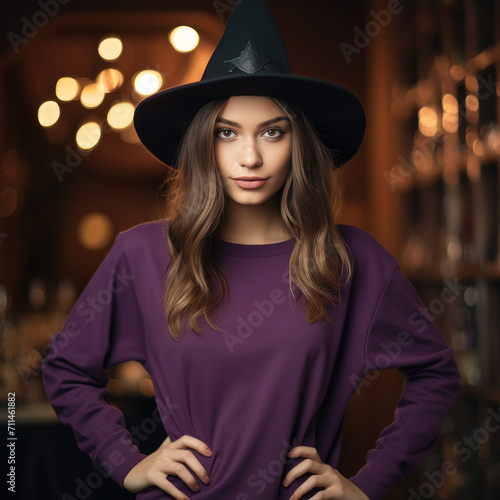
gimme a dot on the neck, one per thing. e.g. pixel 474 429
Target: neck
pixel 252 224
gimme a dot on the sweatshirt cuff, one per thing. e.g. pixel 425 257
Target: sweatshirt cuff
pixel 118 457
pixel 376 479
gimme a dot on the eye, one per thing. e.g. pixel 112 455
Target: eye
pixel 273 133
pixel 224 133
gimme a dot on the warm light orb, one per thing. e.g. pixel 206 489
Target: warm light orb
pixel 110 48
pixel 450 113
pixel 37 294
pixel 454 248
pixel 109 79
pixel 88 135
pixel 457 72
pixel 121 115
pixel 427 121
pixel 184 39
pixel 95 231
pixel 450 103
pixel 67 88
pixel 148 82
pixel 48 113
pixel 92 96
pixel 472 102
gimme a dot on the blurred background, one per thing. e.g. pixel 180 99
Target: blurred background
pixel 425 183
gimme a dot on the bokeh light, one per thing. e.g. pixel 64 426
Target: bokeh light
pixel 92 96
pixel 48 113
pixel 37 294
pixel 427 121
pixel 67 88
pixel 148 82
pixel 109 79
pixel 95 231
pixel 184 39
pixel 110 49
pixel 121 115
pixel 88 135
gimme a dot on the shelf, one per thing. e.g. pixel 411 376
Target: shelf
pixel 463 272
pixel 450 215
pixel 489 394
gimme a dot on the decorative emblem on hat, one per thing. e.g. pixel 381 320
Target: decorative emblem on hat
pixel 248 61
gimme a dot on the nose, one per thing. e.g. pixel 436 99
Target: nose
pixel 249 154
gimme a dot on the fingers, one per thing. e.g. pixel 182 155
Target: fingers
pixel 174 451
pixel 307 465
pixel 316 481
pixel 187 441
pixel 171 457
pixel 305 451
pixel 160 480
pixel 187 457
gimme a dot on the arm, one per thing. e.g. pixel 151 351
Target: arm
pixel 103 328
pixel 402 335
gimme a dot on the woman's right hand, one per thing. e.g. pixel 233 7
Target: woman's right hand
pixel 169 459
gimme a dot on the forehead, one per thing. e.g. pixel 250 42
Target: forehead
pixel 250 106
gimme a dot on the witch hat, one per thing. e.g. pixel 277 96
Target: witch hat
pixel 251 59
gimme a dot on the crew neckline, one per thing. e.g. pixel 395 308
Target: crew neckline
pixel 261 250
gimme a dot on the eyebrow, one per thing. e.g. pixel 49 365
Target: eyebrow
pixel 263 124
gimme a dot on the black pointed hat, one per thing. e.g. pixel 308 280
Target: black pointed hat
pixel 251 59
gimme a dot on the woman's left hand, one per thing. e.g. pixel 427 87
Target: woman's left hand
pixel 337 487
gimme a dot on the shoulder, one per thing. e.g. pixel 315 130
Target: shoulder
pixel 368 254
pixel 146 235
pixel 144 229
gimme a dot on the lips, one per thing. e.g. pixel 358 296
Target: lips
pixel 250 182
pixel 244 178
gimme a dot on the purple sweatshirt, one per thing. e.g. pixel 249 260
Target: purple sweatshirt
pixel 272 382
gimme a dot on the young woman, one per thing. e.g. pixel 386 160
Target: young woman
pixel 256 315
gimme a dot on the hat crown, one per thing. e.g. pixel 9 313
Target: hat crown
pixel 251 44
pixel 251 59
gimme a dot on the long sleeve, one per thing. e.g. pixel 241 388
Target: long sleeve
pixel 103 328
pixel 402 335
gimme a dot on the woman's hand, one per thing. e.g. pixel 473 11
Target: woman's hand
pixel 168 459
pixel 337 487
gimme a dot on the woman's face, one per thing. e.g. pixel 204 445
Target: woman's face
pixel 253 139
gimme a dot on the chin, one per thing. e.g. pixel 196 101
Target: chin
pixel 246 201
pixel 251 198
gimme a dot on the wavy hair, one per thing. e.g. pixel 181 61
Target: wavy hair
pixel 311 199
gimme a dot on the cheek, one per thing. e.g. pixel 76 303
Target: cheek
pixel 285 159
pixel 222 157
pixel 219 158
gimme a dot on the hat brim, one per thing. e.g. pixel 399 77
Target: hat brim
pixel 162 119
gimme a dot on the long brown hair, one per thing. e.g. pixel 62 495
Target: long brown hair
pixel 311 199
